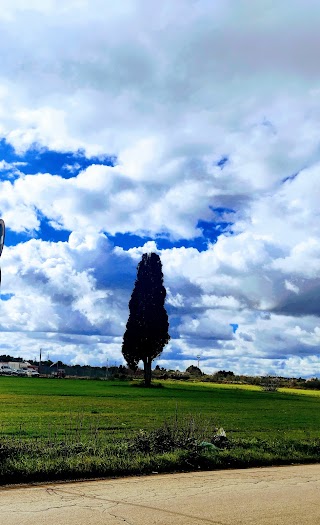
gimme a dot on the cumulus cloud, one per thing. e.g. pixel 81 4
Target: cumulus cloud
pixel 64 287
pixel 211 111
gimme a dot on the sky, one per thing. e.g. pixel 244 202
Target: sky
pixel 189 128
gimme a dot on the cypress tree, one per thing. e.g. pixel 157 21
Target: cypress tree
pixel 147 327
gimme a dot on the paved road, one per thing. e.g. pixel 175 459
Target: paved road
pixel 265 496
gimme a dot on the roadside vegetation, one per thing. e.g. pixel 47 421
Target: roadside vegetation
pixel 73 429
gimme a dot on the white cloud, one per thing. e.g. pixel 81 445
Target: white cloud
pixel 303 259
pixel 292 287
pixel 169 90
pixel 62 287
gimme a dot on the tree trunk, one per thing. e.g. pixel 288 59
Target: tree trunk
pixel 147 371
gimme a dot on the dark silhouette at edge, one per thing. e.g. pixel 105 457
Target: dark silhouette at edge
pixel 2 236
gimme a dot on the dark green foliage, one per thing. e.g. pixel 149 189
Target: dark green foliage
pixel 225 373
pixel 194 370
pixel 313 384
pixel 147 327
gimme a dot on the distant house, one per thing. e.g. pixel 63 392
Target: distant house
pixel 23 364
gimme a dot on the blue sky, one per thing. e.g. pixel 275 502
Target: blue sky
pixel 189 129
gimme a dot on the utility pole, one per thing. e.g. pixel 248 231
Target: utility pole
pixel 198 357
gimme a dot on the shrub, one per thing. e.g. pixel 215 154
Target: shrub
pixel 188 434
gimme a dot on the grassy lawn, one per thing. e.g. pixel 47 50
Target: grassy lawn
pixel 92 424
pixel 33 407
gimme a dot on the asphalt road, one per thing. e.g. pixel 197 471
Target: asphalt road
pixel 264 496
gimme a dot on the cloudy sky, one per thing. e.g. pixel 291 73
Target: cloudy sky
pixel 185 127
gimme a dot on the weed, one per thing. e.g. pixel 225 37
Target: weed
pixel 176 433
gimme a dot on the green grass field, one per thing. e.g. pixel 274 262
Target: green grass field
pixel 262 427
pixel 32 406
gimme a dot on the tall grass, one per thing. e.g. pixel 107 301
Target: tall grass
pixel 179 444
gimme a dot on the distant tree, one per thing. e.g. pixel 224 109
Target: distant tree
pixel 194 370
pixel 270 383
pixel 225 373
pixel 48 362
pixel 147 327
